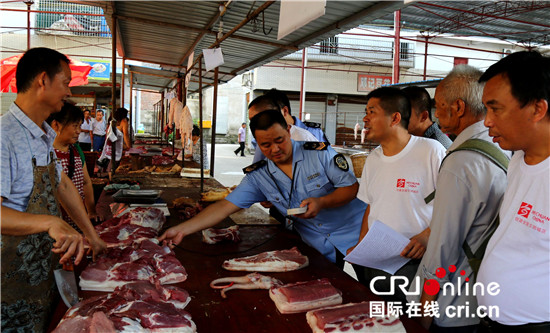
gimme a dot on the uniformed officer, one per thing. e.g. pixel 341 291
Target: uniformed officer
pixel 295 174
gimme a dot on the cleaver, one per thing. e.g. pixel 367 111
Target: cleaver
pixel 66 284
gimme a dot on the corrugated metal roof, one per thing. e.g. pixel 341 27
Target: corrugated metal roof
pixel 163 32
pixel 525 23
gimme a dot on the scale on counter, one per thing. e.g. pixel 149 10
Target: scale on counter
pixel 137 196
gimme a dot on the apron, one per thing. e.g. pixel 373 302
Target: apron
pixel 29 292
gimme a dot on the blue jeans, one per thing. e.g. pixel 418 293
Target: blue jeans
pixel 99 141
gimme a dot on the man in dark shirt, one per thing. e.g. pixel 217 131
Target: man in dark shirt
pixel 420 123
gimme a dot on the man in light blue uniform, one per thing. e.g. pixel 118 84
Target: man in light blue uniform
pixel 295 174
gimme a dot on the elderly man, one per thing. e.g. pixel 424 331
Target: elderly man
pixel 470 186
pixel 420 122
pixel 295 174
pixel 517 95
pixel 31 184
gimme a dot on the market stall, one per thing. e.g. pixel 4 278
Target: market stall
pixel 242 310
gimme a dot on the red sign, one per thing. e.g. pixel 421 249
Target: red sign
pixel 366 82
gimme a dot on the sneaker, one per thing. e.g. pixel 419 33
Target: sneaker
pixel 235 153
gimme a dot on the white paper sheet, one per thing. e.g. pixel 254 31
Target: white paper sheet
pixel 212 58
pixel 380 248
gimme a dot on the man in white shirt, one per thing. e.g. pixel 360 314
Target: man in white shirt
pixel 85 136
pixel 517 95
pixel 99 129
pixel 396 178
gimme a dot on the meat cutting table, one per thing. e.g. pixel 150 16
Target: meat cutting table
pixel 243 310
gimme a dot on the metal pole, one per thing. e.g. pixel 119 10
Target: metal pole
pixel 122 83
pixel 29 3
pixel 131 106
pixel 425 57
pixel 214 111
pixel 113 65
pixel 200 126
pixel 302 83
pixel 396 46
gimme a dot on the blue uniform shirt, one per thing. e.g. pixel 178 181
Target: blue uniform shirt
pixel 317 132
pixel 315 175
pixel 21 140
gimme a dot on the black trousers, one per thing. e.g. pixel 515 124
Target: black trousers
pixel 85 146
pixel 240 149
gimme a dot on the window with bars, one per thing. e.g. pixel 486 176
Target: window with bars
pixel 63 18
pixel 329 46
pixel 405 51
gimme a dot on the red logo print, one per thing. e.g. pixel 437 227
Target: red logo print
pixel 401 183
pixel 525 209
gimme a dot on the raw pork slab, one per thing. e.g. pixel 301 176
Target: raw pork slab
pixel 351 318
pixel 144 261
pixel 213 236
pixel 136 307
pixel 304 296
pixel 272 261
pixel 138 224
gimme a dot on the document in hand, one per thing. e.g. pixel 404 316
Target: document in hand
pixel 380 249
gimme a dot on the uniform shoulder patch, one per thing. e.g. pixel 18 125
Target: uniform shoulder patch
pixel 341 162
pixel 312 124
pixel 312 145
pixel 255 166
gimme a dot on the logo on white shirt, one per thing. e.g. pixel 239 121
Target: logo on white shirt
pixel 401 182
pixel 525 209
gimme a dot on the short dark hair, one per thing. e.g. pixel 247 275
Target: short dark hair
pixel 265 119
pixel 280 98
pixel 393 100
pixel 69 114
pixel 419 98
pixel 528 73
pixel 36 61
pixel 196 131
pixel 120 114
pixel 265 102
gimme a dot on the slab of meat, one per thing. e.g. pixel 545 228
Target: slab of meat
pixel 186 207
pixel 186 128
pixel 144 261
pixel 352 317
pixel 168 151
pixel 162 160
pixel 138 224
pixel 136 307
pixel 304 296
pixel 137 150
pixel 272 261
pixel 213 236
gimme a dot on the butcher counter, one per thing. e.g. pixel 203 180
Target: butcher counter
pixel 242 310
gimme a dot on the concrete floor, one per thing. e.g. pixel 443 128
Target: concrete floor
pixel 228 171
